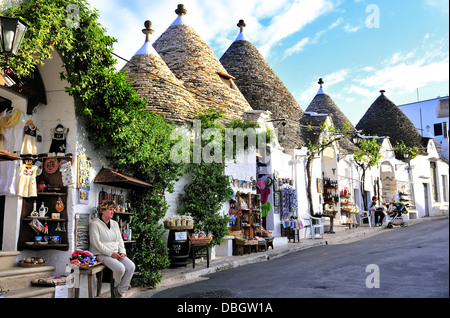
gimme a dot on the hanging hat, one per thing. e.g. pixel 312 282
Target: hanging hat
pixel 261 184
pixel 231 194
pixel 269 181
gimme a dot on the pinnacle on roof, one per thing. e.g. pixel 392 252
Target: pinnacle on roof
pixel 194 63
pixel 153 80
pixel 261 86
pixel 147 48
pixel 181 12
pixel 323 104
pixel 320 82
pixel 241 36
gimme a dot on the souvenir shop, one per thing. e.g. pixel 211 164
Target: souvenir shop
pixel 258 206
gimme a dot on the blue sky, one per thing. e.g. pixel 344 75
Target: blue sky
pixel 358 47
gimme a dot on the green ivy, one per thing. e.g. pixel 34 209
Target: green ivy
pixel 204 196
pixel 115 116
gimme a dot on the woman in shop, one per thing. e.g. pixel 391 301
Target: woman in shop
pixel 106 242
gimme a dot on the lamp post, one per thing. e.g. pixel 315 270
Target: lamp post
pixel 12 32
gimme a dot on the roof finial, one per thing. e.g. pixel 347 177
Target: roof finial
pixel 241 25
pixel 147 31
pixel 382 91
pixel 180 10
pixel 320 82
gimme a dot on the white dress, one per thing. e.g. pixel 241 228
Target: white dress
pixel 27 181
pixel 29 140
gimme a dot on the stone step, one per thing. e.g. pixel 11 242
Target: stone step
pixel 32 292
pixel 8 258
pixel 14 278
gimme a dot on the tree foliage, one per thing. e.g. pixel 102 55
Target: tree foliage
pixel 366 156
pixel 325 135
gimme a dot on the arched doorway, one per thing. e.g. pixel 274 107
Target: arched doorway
pixel 387 185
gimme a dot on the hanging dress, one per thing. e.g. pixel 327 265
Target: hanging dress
pixel 27 181
pixel 11 132
pixel 29 139
pixel 59 134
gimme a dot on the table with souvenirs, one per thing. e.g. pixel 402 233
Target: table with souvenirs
pixel 88 265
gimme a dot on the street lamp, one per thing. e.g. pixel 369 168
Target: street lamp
pixel 12 31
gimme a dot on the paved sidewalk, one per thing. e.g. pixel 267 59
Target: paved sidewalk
pixel 183 275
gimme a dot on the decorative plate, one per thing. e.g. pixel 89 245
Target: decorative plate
pixel 51 166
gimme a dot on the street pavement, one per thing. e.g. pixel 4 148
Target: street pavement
pixel 173 277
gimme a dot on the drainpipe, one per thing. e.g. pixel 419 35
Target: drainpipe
pixel 444 142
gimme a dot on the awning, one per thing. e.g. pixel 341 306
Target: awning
pixel 5 155
pixel 116 179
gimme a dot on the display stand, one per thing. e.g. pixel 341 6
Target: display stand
pixel 196 247
pixel 348 207
pixel 53 195
pixel 114 179
pixel 248 223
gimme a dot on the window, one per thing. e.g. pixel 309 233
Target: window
pixel 438 131
pixel 226 79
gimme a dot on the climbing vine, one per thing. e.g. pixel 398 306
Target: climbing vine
pixel 115 116
pixel 209 189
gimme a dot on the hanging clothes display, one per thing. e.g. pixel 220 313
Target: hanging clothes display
pixel 288 202
pixel 65 168
pixel 27 180
pixel 11 132
pixel 9 119
pixel 59 135
pixel 29 139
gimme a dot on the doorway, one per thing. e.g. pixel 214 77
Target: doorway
pixel 426 199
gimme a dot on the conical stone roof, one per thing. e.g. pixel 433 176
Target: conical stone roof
pixel 384 118
pixel 153 80
pixel 194 63
pixel 323 104
pixel 262 87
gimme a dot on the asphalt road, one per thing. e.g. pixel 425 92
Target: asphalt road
pixel 411 262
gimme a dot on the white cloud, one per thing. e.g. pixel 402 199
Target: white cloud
pixel 350 29
pixel 359 91
pixel 405 77
pixel 291 20
pixel 404 72
pixel 297 47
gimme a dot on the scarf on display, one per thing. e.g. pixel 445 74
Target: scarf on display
pixel 295 224
pixel 8 123
pixel 288 201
